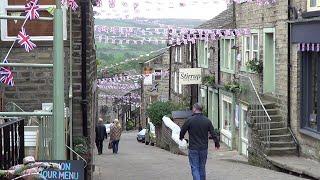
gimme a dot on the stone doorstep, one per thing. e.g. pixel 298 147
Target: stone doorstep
pixel 297 165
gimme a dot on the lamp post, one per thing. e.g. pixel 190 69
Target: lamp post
pixel 59 152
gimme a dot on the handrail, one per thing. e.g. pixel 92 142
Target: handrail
pixel 12 114
pixel 255 90
pixel 295 140
pixel 10 122
pixel 14 104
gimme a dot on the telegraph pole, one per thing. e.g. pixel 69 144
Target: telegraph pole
pixel 59 152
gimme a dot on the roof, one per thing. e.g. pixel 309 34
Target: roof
pixel 181 114
pixel 222 20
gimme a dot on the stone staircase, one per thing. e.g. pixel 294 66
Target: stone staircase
pixel 275 135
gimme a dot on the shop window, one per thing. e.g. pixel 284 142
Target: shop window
pixel 250 49
pixel 313 5
pixel 310 104
pixel 10 28
pixel 226 114
pixel 228 55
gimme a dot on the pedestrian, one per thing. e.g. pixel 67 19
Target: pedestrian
pixel 198 127
pixel 115 134
pixel 101 133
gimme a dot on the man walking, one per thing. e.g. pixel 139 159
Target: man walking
pixel 198 127
pixel 101 133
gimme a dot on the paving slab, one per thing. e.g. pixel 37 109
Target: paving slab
pixel 137 161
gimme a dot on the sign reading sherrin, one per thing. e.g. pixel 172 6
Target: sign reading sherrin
pixel 190 76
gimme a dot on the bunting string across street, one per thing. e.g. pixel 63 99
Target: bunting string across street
pixel 130 77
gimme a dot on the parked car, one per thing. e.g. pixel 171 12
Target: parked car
pixel 150 137
pixel 141 135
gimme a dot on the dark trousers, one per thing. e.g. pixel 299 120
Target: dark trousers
pixel 115 146
pixel 99 144
pixel 198 160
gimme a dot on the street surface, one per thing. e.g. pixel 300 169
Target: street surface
pixel 137 161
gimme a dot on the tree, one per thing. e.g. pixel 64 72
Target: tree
pixel 157 110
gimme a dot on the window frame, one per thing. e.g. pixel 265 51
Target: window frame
pixel 177 58
pixel 231 55
pixel 4 25
pixel 229 101
pixel 310 9
pixel 254 32
pixel 203 59
pixel 243 108
pixel 190 53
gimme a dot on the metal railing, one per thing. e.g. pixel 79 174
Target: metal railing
pixel 13 107
pixel 11 142
pixel 258 113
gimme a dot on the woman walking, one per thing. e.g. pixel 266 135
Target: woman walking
pixel 115 134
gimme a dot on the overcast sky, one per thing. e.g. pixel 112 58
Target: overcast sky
pixel 193 9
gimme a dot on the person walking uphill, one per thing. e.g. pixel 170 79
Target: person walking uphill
pixel 101 133
pixel 115 134
pixel 198 127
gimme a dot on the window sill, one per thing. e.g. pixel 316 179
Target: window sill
pixel 310 133
pixel 227 71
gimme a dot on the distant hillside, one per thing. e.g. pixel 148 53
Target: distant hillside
pixel 108 54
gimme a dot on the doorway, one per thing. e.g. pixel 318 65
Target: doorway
pixel 269 60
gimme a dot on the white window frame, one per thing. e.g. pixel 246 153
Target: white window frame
pixel 229 66
pixel 175 82
pixel 203 63
pixel 243 108
pixel 224 131
pixel 190 53
pixel 177 56
pixel 4 7
pixel 316 8
pixel 244 60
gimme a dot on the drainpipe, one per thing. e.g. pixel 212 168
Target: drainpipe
pixel 192 85
pixel 289 68
pixel 219 81
pixel 170 73
pixel 70 87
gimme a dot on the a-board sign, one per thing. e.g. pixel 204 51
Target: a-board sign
pixel 69 170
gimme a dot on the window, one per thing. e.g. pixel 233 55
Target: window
pixel 190 53
pixel 203 54
pixel 250 49
pixel 10 28
pixel 177 85
pixel 310 104
pixel 313 5
pixel 178 54
pixel 226 114
pixel 244 125
pixel 228 55
pixel 158 75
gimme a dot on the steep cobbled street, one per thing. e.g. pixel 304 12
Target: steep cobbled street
pixel 137 161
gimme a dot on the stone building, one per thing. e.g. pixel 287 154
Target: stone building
pixel 155 87
pixel 34 86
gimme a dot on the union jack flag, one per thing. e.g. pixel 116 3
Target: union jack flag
pixel 6 75
pixel 24 40
pixel 73 4
pixel 32 9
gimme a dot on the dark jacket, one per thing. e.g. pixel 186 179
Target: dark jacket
pixel 198 127
pixel 101 132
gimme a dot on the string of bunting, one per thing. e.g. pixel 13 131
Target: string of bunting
pixel 127 87
pixel 23 39
pixel 130 77
pixel 111 40
pixel 315 47
pixel 259 2
pixel 128 31
pixel 120 97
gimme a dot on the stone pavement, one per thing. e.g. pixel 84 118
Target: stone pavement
pixel 137 161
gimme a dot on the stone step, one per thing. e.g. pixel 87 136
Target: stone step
pixel 278 144
pixel 274 118
pixel 267 105
pixel 281 151
pixel 275 131
pixel 270 111
pixel 282 137
pixel 279 124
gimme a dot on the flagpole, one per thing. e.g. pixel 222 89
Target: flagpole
pixel 59 150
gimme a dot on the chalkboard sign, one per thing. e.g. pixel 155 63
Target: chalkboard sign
pixel 69 170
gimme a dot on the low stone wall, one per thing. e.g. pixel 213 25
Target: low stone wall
pixel 168 143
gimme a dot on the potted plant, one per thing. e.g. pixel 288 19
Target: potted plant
pixel 209 80
pixel 255 65
pixel 233 87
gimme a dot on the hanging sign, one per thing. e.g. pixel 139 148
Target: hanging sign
pixel 69 170
pixel 190 76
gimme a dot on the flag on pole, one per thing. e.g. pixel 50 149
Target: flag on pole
pixel 24 40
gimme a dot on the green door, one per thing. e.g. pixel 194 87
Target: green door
pixel 213 108
pixel 269 62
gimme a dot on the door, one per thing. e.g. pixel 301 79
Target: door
pixel 213 108
pixel 244 130
pixel 269 61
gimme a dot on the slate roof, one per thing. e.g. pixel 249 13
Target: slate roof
pixel 222 20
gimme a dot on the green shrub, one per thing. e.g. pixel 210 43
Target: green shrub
pixel 80 145
pixel 130 125
pixel 208 80
pixel 233 87
pixel 159 109
pixel 255 65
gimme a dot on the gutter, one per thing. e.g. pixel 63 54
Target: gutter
pixel 84 101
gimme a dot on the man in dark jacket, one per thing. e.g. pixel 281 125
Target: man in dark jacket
pixel 198 127
pixel 101 133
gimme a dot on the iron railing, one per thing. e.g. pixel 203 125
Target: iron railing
pixel 11 142
pixel 258 113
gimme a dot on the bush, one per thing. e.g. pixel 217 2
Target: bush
pixel 130 125
pixel 209 80
pixel 255 65
pixel 80 145
pixel 158 109
pixel 233 87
